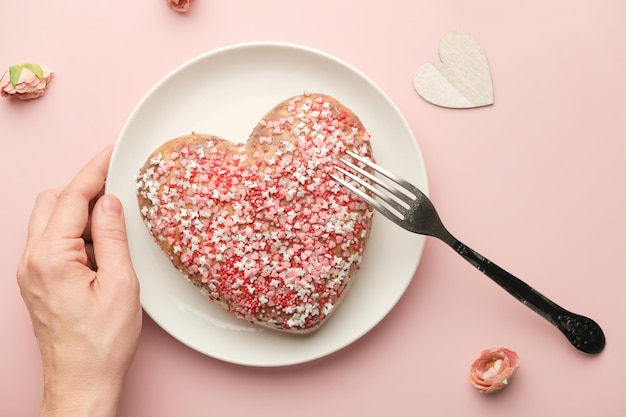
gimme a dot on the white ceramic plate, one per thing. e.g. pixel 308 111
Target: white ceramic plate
pixel 226 92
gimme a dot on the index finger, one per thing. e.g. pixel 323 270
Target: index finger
pixel 44 205
pixel 71 213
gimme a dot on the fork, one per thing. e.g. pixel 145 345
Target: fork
pixel 405 205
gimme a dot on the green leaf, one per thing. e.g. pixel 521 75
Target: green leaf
pixel 14 74
pixel 16 70
pixel 36 69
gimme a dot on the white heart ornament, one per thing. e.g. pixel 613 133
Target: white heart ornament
pixel 461 80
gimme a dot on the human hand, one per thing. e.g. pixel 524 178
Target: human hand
pixel 80 288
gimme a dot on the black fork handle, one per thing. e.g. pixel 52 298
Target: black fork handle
pixel 582 332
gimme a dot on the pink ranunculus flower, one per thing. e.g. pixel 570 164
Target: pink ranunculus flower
pixel 179 5
pixel 494 369
pixel 25 81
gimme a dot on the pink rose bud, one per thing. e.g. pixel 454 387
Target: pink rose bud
pixel 179 5
pixel 494 369
pixel 25 81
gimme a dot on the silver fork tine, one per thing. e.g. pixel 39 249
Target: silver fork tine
pixel 401 181
pixel 368 199
pixel 399 194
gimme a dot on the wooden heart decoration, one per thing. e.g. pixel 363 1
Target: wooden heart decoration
pixel 461 80
pixel 261 227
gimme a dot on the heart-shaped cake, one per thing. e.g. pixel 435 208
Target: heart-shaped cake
pixel 261 227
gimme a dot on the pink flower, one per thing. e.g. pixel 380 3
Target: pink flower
pixel 25 81
pixel 179 5
pixel 494 369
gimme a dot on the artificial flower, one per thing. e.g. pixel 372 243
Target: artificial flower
pixel 25 81
pixel 494 369
pixel 179 5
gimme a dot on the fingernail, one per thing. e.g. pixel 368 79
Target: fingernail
pixel 110 205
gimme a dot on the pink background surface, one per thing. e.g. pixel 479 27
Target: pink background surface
pixel 535 182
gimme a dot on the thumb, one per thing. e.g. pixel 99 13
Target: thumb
pixel 108 233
